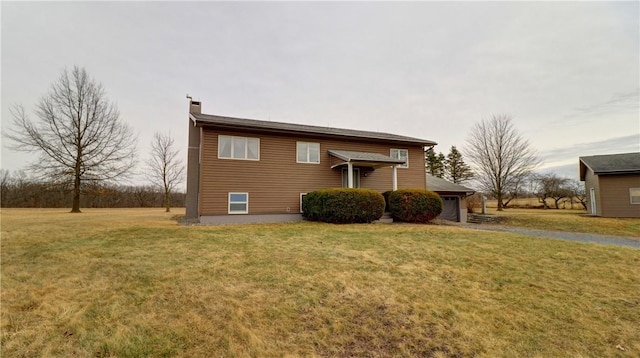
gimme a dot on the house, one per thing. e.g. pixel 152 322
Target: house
pixel 454 206
pixel 612 184
pixel 246 170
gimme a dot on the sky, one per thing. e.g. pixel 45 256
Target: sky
pixel 566 72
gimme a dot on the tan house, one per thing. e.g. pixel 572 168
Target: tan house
pixel 612 184
pixel 245 170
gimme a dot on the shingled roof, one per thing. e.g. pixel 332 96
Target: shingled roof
pixel 214 121
pixel 441 185
pixel 626 163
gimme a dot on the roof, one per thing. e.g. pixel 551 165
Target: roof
pixel 625 163
pixel 441 185
pixel 208 120
pixel 364 158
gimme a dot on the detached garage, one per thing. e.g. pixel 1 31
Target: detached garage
pixel 452 194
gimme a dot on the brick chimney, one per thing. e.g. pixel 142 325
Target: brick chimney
pixel 193 163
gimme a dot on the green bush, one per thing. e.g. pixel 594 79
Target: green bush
pixel 343 206
pixel 414 205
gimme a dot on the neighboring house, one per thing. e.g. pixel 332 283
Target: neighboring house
pixel 452 194
pixel 245 170
pixel 612 184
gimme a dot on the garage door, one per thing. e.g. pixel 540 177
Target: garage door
pixel 450 209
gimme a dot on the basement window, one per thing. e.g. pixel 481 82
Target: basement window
pixel 634 195
pixel 238 203
pixel 301 199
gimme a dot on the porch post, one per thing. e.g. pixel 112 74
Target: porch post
pixel 349 175
pixel 395 178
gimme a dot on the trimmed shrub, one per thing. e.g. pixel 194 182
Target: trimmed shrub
pixel 342 206
pixel 415 205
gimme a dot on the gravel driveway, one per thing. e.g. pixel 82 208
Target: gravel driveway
pixel 563 235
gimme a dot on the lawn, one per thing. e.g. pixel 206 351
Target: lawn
pixel 132 283
pixel 569 220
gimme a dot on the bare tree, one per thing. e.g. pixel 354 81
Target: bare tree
pixel 551 186
pixel 579 192
pixel 516 188
pixel 78 134
pixel 5 184
pixel 166 170
pixel 499 154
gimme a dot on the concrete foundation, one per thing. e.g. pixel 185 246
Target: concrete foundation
pixel 249 219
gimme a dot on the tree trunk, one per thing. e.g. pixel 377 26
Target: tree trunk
pixel 75 208
pixel 167 201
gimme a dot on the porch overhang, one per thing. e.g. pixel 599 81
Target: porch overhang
pixel 363 159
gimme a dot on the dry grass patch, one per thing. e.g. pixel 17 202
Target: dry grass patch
pixel 132 283
pixel 570 220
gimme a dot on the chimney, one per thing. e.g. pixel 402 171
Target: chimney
pixel 194 106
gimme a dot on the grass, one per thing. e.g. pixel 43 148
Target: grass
pixel 131 283
pixel 569 220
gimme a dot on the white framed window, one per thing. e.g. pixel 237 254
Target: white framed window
pixel 307 152
pixel 301 197
pixel 238 203
pixel 244 148
pixel 402 154
pixel 634 195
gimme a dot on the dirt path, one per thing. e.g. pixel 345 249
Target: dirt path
pixel 563 235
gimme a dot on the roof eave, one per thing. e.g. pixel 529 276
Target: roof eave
pixel 240 127
pixel 618 172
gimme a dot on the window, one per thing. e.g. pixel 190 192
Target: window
pixel 238 203
pixel 302 198
pixel 307 152
pixel 634 194
pixel 231 147
pixel 402 154
pixel 356 177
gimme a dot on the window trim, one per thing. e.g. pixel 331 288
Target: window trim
pixel 406 164
pixel 246 147
pixel 307 143
pixel 246 202
pixel 631 196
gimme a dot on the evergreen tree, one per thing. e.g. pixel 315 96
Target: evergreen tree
pixel 435 163
pixel 456 169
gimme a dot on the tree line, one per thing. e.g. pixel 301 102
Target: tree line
pixel 19 190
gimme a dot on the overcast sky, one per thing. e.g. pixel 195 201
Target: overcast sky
pixel 568 73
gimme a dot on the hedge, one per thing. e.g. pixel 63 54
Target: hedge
pixel 343 206
pixel 414 205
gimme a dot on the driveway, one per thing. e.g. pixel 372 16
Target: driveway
pixel 562 235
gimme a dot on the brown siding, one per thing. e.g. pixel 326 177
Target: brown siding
pixel 614 193
pixel 591 181
pixel 274 183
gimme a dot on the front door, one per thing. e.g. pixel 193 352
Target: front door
pixel 356 178
pixel 592 198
